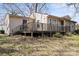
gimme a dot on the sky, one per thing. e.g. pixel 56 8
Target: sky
pixel 63 10
pixel 57 9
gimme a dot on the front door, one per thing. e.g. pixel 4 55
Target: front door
pixel 62 25
pixel 24 24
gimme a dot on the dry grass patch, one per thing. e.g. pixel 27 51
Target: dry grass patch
pixel 23 45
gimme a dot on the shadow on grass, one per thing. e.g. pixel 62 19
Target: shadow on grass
pixel 7 51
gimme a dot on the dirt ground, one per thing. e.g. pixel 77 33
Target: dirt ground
pixel 48 46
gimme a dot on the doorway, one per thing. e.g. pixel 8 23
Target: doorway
pixel 24 24
pixel 62 25
pixel 62 22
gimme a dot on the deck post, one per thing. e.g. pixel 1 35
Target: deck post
pixel 57 25
pixel 50 33
pixel 31 34
pixel 32 31
pixel 42 34
pixel 64 26
pixel 42 30
pixel 50 28
pixel 25 34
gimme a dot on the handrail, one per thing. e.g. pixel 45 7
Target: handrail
pixel 31 26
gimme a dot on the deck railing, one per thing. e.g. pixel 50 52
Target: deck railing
pixel 46 27
pixel 29 27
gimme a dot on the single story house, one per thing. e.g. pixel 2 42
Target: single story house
pixel 2 25
pixel 38 22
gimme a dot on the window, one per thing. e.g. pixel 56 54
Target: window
pixel 38 24
pixel 53 21
pixel 49 21
pixel 24 23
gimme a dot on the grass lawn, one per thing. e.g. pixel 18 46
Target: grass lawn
pixel 24 45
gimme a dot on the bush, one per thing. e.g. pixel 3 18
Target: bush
pixel 17 33
pixel 58 35
pixel 69 34
pixel 77 31
pixel 74 33
pixel 2 31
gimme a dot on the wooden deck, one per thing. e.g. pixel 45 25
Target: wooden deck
pixel 42 27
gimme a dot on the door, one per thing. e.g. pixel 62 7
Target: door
pixel 62 25
pixel 24 24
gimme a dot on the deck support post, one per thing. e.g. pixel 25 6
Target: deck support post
pixel 32 34
pixel 42 31
pixel 64 26
pixel 25 34
pixel 32 30
pixel 50 33
pixel 42 34
pixel 57 26
pixel 50 27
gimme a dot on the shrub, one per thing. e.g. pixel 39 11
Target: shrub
pixel 69 34
pixel 58 35
pixel 77 31
pixel 17 33
pixel 74 33
pixel 2 31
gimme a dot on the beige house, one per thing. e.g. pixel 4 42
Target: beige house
pixel 14 23
pixel 38 22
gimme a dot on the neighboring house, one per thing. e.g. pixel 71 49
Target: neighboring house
pixel 2 26
pixel 38 22
pixel 77 26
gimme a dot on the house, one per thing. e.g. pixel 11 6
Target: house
pixel 77 26
pixel 54 23
pixel 38 22
pixel 15 23
pixel 2 26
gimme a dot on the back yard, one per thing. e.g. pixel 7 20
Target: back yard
pixel 24 45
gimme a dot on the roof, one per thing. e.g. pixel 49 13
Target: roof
pixel 67 17
pixel 59 18
pixel 74 21
pixel 49 16
pixel 42 13
pixel 19 16
pixel 52 16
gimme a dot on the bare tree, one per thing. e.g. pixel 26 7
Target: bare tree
pixel 37 7
pixel 76 7
pixel 29 8
pixel 9 8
